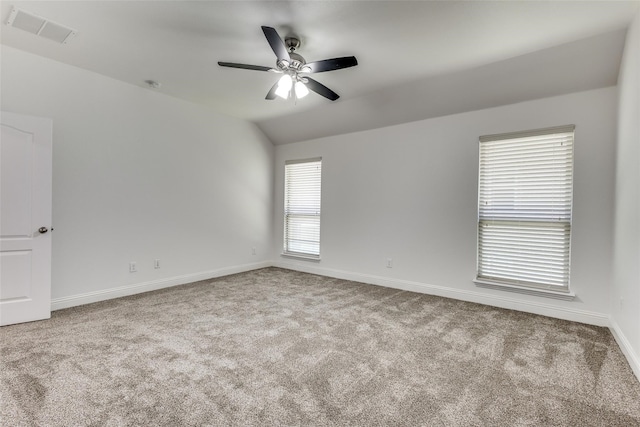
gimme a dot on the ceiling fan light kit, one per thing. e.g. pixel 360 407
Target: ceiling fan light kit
pixel 285 84
pixel 295 69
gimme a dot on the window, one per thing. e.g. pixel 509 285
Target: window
pixel 302 207
pixel 525 191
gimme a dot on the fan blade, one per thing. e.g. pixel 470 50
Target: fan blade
pixel 332 64
pixel 321 89
pixel 276 44
pixel 272 92
pixel 245 66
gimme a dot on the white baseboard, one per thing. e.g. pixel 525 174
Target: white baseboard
pixel 506 302
pixel 137 288
pixel 625 346
pixel 535 307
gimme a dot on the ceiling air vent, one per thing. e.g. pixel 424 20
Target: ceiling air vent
pixel 39 26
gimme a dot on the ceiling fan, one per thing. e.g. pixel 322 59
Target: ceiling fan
pixel 295 80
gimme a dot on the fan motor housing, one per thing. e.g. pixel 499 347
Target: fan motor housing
pixel 297 61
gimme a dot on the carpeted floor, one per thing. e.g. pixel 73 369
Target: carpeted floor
pixel 277 347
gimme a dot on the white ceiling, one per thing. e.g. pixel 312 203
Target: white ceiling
pixel 416 59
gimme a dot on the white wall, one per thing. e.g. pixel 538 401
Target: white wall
pixel 409 192
pixel 625 307
pixel 138 175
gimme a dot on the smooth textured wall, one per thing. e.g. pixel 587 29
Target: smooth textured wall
pixel 409 193
pixel 625 307
pixel 139 176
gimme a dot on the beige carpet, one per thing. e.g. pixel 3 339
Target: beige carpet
pixel 277 347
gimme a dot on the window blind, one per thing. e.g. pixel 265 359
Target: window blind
pixel 524 208
pixel 302 179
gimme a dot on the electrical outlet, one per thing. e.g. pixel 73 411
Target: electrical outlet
pixel 156 263
pixel 389 263
pixel 133 267
pixel 253 250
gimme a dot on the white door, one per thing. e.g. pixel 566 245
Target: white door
pixel 25 218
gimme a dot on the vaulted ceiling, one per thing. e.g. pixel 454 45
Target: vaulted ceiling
pixel 416 59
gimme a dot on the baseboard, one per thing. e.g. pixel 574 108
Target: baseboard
pixel 137 288
pixel 625 347
pixel 541 308
pixel 507 302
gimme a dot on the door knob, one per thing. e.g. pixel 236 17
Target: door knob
pixel 43 230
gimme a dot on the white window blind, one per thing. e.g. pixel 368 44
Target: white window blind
pixel 302 179
pixel 524 209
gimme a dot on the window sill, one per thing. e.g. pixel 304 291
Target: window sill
pixel 301 256
pixel 548 293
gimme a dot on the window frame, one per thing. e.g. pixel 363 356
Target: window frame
pixel 523 221
pixel 288 215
